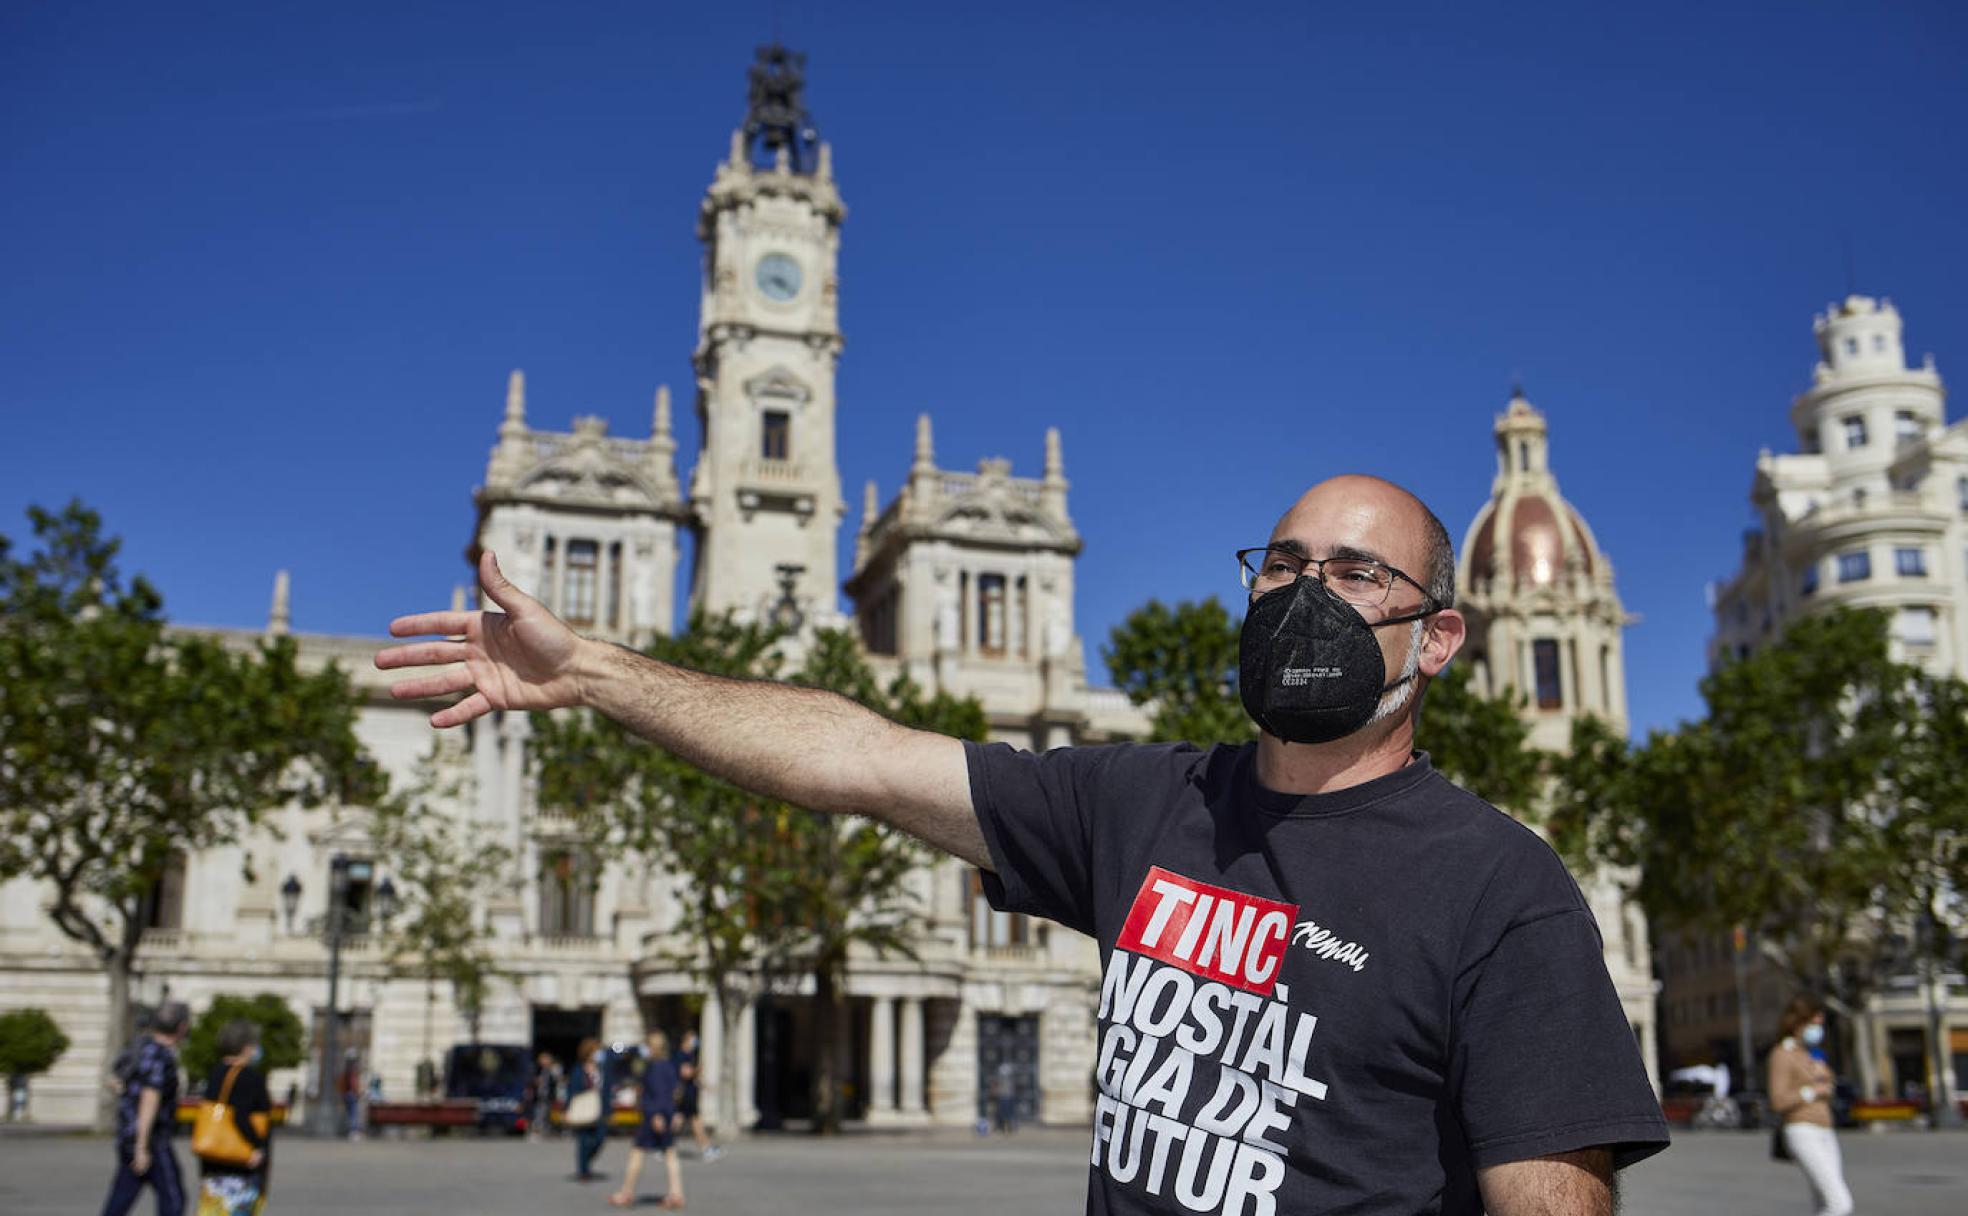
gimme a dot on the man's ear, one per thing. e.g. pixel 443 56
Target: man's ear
pixel 1444 637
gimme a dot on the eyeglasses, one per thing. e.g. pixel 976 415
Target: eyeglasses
pixel 1359 581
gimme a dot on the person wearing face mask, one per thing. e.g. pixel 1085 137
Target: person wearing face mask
pixel 224 1188
pixel 1800 1090
pixel 1331 980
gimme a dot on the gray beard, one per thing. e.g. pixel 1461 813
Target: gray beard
pixel 1396 699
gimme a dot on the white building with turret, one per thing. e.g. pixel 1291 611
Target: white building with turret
pixel 1871 511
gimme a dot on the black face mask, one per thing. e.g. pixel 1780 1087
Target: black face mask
pixel 1309 668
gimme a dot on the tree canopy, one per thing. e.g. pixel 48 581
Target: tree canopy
pixel 30 1042
pixel 123 744
pixel 282 1036
pixel 769 890
pixel 1481 743
pixel 1819 804
pixel 1183 661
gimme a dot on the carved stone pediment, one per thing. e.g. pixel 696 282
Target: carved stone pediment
pixel 778 385
pixel 590 469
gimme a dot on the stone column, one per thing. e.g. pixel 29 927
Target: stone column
pixel 710 1061
pixel 881 1058
pixel 912 1055
pixel 747 1057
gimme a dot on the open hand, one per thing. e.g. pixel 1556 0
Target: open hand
pixel 521 658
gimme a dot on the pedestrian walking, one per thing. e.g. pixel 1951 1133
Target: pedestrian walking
pixel 231 1187
pixel 588 1108
pixel 542 1093
pixel 146 1113
pixel 1004 1098
pixel 351 1087
pixel 689 1113
pixel 655 1114
pixel 1471 1053
pixel 1800 1091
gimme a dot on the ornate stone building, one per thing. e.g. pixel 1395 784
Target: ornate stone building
pixel 1545 623
pixel 1871 511
pixel 965 580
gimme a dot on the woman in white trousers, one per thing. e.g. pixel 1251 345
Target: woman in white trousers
pixel 1800 1090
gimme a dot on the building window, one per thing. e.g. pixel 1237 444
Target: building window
pixel 1854 567
pixel 1851 346
pixel 614 600
pixel 1855 432
pixel 990 928
pixel 355 897
pixel 1916 626
pixel 776 436
pixel 1544 660
pixel 567 892
pixel 991 613
pixel 1879 342
pixel 1961 493
pixel 1910 563
pixel 1906 428
pixel 1811 447
pixel 1858 498
pixel 1807 584
pixel 162 904
pixel 583 557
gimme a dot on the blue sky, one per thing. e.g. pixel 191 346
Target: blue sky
pixel 263 270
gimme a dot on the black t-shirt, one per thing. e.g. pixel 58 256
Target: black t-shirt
pixel 1344 1002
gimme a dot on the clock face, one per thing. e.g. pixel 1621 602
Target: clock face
pixel 778 276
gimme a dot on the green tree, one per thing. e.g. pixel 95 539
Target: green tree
pixel 448 865
pixel 1183 661
pixel 770 891
pixel 1788 810
pixel 1481 743
pixel 30 1042
pixel 122 744
pixel 282 1036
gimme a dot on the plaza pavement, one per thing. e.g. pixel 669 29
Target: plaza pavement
pixel 1903 1173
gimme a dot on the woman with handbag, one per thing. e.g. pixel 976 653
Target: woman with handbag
pixel 232 1136
pixel 587 1108
pixel 1800 1091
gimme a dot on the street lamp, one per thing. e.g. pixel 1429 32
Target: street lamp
pixel 1931 938
pixel 385 901
pixel 290 899
pixel 343 872
pixel 786 613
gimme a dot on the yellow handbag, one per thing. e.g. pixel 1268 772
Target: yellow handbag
pixel 215 1137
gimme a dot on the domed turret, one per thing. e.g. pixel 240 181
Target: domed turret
pixel 1537 591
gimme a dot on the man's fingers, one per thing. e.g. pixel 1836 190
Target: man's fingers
pixel 498 588
pixel 424 624
pixel 422 654
pixel 464 711
pixel 443 684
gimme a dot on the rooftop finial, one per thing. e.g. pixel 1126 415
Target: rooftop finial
pixel 777 122
pixel 870 504
pixel 1055 457
pixel 925 444
pixel 516 397
pixel 279 618
pixel 661 428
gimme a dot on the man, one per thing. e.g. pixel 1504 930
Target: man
pixel 1332 979
pixel 146 1112
pixel 656 1111
pixel 690 1114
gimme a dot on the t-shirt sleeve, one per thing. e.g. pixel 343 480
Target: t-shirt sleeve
pixel 1543 1060
pixel 1039 830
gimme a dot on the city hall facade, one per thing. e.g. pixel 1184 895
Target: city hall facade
pixel 964 580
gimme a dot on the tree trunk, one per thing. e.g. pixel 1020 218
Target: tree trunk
pixel 729 1014
pixel 826 1020
pixel 115 1035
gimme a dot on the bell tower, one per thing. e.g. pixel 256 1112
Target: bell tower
pixel 765 494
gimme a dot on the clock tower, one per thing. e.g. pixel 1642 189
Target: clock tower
pixel 765 495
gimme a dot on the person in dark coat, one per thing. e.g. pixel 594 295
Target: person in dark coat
pixel 226 1188
pixel 589 1139
pixel 655 1118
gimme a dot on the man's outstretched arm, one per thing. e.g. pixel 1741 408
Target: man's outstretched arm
pixel 1562 1184
pixel 800 745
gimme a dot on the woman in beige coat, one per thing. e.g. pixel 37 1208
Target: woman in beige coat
pixel 1800 1091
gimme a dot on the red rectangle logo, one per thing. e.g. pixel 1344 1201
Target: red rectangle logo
pixel 1209 931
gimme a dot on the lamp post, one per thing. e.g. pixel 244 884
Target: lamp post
pixel 1931 936
pixel 786 612
pixel 290 899
pixel 343 870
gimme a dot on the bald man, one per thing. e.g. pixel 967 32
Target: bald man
pixel 1332 980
